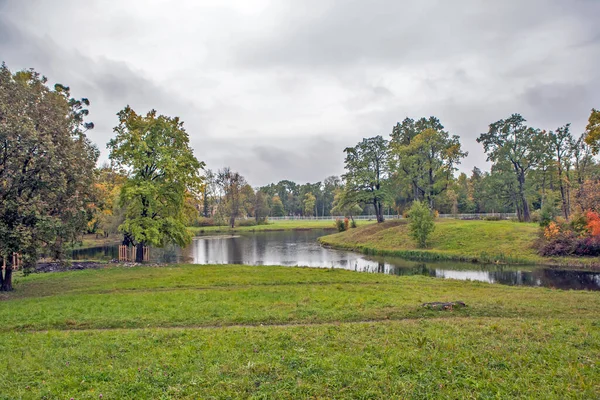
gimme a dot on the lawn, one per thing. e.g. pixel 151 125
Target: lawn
pixel 477 241
pixel 277 332
pixel 283 225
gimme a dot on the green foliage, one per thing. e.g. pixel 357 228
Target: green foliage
pixel 592 137
pixel 424 157
pixel 46 168
pixel 162 172
pixel 277 207
pixel 344 205
pixel 548 212
pixel 517 146
pixel 309 204
pixel 421 222
pixel 367 173
pixel 340 225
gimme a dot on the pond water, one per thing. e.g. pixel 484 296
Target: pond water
pixel 300 248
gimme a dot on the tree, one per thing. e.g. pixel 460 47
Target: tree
pixel 561 144
pixel 208 192
pixel 421 222
pixel 261 207
pixel 426 158
pixel 522 146
pixel 161 172
pixel 108 216
pixel 367 172
pixel 309 204
pixel 330 185
pixel 277 209
pixel 232 184
pixel 46 169
pixel 593 131
pixel 344 206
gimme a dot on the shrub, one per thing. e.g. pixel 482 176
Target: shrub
pixel 547 213
pixel 492 218
pixel 353 224
pixel 593 223
pixel 339 224
pixel 563 244
pixel 421 223
pixel 346 224
pixel 535 216
pixel 201 221
pixel 246 222
pixel 589 246
pixel 579 224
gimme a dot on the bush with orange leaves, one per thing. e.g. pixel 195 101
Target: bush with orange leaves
pixel 551 231
pixel 593 223
pixel 563 239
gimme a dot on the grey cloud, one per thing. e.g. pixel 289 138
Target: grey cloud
pixel 277 89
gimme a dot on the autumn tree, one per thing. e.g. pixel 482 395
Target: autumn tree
pixel 593 131
pixel 161 172
pixel 510 140
pixel 46 169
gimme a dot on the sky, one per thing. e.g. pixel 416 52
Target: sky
pixel 276 89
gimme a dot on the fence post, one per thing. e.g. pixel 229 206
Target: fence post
pixel 146 253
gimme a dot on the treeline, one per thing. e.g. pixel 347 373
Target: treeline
pixel 531 168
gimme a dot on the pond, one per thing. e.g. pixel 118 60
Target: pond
pixel 300 248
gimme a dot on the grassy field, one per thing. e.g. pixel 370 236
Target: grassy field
pixel 284 225
pixel 275 332
pixel 478 241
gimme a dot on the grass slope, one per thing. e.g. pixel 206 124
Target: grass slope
pixel 275 332
pixel 479 241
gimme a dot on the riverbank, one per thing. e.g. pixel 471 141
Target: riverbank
pixel 280 225
pixel 504 242
pixel 241 331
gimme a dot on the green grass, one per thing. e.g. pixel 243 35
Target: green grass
pixel 276 332
pixel 459 240
pixel 283 225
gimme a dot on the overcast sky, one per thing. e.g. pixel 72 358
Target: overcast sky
pixel 276 89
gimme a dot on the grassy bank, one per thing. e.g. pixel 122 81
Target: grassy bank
pixel 276 332
pixel 284 225
pixel 473 241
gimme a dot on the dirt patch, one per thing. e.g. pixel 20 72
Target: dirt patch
pixel 60 267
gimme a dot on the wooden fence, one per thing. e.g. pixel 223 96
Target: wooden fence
pixel 127 253
pixel 16 261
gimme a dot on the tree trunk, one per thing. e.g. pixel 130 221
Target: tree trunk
pixel 523 199
pixel 139 253
pixel 563 194
pixel 7 281
pixel 232 221
pixel 378 211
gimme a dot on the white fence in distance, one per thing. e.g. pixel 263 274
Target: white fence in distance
pixel 374 217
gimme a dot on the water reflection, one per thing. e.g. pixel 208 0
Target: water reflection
pixel 300 248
